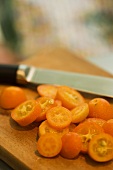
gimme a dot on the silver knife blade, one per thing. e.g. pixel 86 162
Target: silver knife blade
pixel 82 82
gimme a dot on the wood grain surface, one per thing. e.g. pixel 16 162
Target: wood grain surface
pixel 18 144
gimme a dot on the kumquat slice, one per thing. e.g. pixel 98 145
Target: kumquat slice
pixel 26 113
pixel 80 112
pixel 100 147
pixel 47 90
pixel 70 97
pixel 59 117
pixel 46 103
pixel 49 145
pixel 46 128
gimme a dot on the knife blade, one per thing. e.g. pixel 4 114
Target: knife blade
pixel 29 75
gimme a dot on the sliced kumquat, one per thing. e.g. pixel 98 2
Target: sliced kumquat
pixel 46 103
pixel 87 130
pixel 100 108
pixel 70 98
pixel 11 97
pixel 100 147
pixel 58 117
pixel 80 112
pixel 49 145
pixel 46 128
pixel 26 113
pixel 68 125
pixel 47 90
pixel 71 145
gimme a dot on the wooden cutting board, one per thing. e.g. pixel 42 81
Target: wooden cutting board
pixel 18 144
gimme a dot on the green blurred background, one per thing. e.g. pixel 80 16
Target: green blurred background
pixel 85 27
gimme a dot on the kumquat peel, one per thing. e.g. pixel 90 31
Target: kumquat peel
pixel 67 125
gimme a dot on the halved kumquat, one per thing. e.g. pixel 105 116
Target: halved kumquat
pixel 46 103
pixel 59 117
pixel 49 145
pixel 70 97
pixel 80 112
pixel 26 113
pixel 47 90
pixel 46 128
pixel 100 147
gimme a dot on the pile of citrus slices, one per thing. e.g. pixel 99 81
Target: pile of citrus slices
pixel 68 124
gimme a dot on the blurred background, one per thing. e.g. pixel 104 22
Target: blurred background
pixel 84 27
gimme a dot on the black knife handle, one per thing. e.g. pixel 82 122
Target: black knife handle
pixel 8 74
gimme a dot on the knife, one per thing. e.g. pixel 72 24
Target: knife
pixel 29 76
